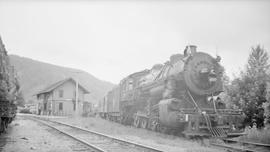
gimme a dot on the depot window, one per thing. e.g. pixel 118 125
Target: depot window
pixel 130 85
pixel 45 106
pixel 61 93
pixel 60 106
pixel 74 106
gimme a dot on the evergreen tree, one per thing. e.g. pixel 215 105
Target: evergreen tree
pixel 248 92
pixel 20 99
pixel 257 63
pixel 266 107
pixel 253 89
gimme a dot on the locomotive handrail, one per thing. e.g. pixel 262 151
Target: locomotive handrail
pixel 193 100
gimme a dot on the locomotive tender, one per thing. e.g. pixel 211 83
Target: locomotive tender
pixel 178 96
pixel 9 88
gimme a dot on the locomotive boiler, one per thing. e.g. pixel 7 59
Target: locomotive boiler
pixel 9 88
pixel 180 96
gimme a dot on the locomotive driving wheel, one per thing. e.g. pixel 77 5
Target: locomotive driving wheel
pixel 143 123
pixel 136 122
pixel 153 125
pixel 163 129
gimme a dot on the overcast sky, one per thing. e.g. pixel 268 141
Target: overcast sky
pixel 111 40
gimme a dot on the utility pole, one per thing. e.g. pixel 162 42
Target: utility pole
pixel 77 98
pixel 77 94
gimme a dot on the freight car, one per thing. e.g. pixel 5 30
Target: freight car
pixel 178 96
pixel 87 109
pixel 9 88
pixel 109 107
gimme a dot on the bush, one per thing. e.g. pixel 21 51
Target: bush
pixel 257 135
pixel 266 107
pixel 25 111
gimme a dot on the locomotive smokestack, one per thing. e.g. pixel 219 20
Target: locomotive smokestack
pixel 193 48
pixel 189 50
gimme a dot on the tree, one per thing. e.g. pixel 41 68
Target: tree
pixel 232 97
pixel 20 99
pixel 254 88
pixel 249 90
pixel 266 107
pixel 257 63
pixel 228 96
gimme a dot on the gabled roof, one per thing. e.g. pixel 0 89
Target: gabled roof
pixel 59 83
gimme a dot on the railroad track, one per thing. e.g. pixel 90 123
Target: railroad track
pixel 81 145
pixel 97 142
pixel 233 145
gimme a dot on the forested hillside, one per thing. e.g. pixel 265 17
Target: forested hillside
pixel 35 75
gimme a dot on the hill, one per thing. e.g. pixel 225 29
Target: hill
pixel 35 75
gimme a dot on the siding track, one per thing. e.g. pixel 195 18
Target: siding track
pixel 232 145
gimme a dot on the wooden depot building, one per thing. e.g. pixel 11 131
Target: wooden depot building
pixel 59 99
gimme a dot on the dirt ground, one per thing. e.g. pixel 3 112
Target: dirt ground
pixel 25 135
pixel 29 136
pixel 165 142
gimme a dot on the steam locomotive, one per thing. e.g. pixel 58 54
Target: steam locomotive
pixel 180 96
pixel 9 88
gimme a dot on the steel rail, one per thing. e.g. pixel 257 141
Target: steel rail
pixel 125 141
pixel 233 148
pixel 248 143
pixel 71 136
pixel 241 147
